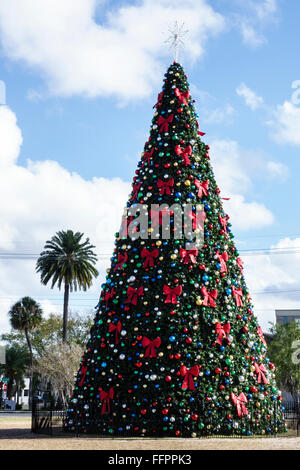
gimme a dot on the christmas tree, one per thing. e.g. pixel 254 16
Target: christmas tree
pixel 175 348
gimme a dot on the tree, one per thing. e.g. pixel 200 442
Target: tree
pixel 26 316
pixel 175 349
pixel 281 351
pixel 50 331
pixel 58 366
pixel 15 368
pixel 68 261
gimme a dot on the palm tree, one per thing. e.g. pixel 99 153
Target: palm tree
pixel 26 315
pixel 66 260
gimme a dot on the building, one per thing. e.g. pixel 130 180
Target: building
pixel 287 316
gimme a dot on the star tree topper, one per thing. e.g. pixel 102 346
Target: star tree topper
pixel 177 33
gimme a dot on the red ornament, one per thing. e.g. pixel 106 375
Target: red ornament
pixel 143 411
pixel 165 411
pixel 168 378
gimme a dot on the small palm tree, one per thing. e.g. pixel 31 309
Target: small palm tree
pixel 68 261
pixel 26 315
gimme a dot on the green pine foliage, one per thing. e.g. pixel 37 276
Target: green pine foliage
pixel 175 348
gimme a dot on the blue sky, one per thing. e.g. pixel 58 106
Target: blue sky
pixel 81 79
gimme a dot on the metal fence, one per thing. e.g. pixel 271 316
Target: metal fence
pixel 51 421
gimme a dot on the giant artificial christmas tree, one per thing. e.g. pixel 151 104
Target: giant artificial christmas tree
pixel 175 348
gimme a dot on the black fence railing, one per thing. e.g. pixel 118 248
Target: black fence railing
pixel 50 421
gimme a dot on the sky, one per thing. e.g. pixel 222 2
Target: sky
pixel 79 79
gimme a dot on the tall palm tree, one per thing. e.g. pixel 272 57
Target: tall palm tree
pixel 68 261
pixel 26 315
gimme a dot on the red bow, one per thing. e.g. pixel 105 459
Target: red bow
pixel 182 96
pixel 121 260
pixel 223 221
pixel 260 370
pixel 133 295
pixel 165 186
pixel 151 346
pixel 149 257
pixel 172 294
pixel 240 403
pixel 126 221
pixel 159 99
pixel 117 328
pixel 261 335
pixel 222 332
pixel 188 256
pixel 147 156
pixel 106 397
pixel 108 296
pixel 156 216
pixel 188 374
pixel 238 294
pixel 164 123
pixel 209 297
pixel 223 258
pixel 83 372
pixel 202 187
pixel 198 219
pixel 185 154
pixel 135 190
pixel 240 263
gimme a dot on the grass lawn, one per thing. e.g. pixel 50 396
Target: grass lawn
pixel 15 434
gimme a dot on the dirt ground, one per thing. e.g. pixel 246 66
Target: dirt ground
pixel 15 434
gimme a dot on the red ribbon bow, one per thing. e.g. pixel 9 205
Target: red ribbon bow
pixel 238 294
pixel 240 403
pixel 151 346
pixel 83 372
pixel 209 297
pixel 164 123
pixel 172 294
pixel 222 332
pixel 182 96
pixel 159 99
pixel 165 186
pixel 188 256
pixel 106 397
pixel 223 221
pixel 188 374
pixel 198 219
pixel 202 187
pixel 121 260
pixel 149 257
pixel 108 296
pixel 117 328
pixel 185 154
pixel 147 156
pixel 261 335
pixel 240 263
pixel 260 371
pixel 133 295
pixel 135 190
pixel 223 258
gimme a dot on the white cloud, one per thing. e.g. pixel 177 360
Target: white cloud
pixel 254 17
pixel 252 100
pixel 234 168
pixel 285 124
pixel 10 137
pixel 82 50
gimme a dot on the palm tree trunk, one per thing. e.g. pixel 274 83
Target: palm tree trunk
pixel 65 316
pixel 30 371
